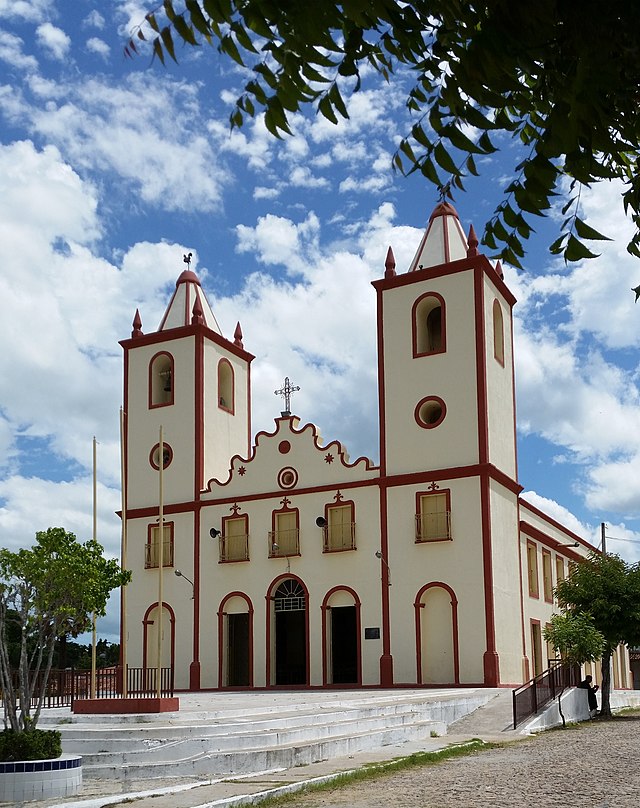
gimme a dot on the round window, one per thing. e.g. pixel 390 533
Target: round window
pixel 167 455
pixel 287 477
pixel 430 412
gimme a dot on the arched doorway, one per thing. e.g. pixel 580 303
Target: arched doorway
pixel 436 614
pixel 150 637
pixel 289 641
pixel 235 641
pixel 341 661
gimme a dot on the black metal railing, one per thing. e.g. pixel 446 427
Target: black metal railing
pixel 64 686
pixel 530 697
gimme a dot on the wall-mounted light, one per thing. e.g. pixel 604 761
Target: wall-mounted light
pixel 384 561
pixel 214 533
pixel 321 521
pixel 181 574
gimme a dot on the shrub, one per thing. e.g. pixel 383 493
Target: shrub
pixel 38 744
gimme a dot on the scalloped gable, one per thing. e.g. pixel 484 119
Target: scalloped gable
pixel 290 447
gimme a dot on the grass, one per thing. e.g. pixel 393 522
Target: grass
pixel 374 770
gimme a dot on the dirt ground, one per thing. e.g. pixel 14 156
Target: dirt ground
pixel 594 765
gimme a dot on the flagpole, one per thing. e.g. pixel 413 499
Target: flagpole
pixel 95 538
pixel 123 561
pixel 160 557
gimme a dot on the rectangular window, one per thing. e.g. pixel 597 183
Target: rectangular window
pixel 550 650
pixel 532 569
pixel 433 520
pixel 234 541
pixel 547 580
pixel 339 533
pixel 152 550
pixel 536 647
pixel 559 569
pixel 284 539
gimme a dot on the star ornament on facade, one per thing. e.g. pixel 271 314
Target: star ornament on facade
pixel 328 458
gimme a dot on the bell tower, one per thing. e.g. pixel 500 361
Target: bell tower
pixel 448 441
pixel 189 379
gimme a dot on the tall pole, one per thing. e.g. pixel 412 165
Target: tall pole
pixel 160 557
pixel 123 560
pixel 603 536
pixel 95 538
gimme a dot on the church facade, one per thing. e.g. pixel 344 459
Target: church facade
pixel 307 569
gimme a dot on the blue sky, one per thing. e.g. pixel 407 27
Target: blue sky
pixel 111 170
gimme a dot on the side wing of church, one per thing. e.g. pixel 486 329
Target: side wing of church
pixel 307 569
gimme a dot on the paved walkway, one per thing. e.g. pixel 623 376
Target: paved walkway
pixel 592 766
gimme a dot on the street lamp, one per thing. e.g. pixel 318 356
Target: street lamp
pixel 182 575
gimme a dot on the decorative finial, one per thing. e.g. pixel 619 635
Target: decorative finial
pixel 198 316
pixel 187 259
pixel 444 192
pixel 499 271
pixel 390 264
pixel 137 325
pixel 285 392
pixel 237 336
pixel 472 241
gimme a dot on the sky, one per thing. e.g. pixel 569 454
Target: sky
pixel 112 169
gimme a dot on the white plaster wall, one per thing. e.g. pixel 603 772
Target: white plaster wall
pixel 143 426
pixel 500 392
pixel 320 572
pixel 507 602
pixel 143 590
pixel 450 375
pixel 457 563
pixel 225 434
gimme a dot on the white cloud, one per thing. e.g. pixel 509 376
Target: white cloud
pixel 94 20
pixel 98 46
pixel 11 52
pixel 560 514
pixel 54 40
pixel 28 10
pixel 135 131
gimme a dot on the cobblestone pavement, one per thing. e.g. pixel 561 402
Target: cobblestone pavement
pixel 593 765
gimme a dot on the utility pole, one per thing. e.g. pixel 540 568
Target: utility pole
pixel 603 537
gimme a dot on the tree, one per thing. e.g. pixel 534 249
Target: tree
pixel 606 590
pixel 576 639
pixel 562 79
pixel 50 590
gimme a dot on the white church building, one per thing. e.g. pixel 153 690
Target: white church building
pixel 311 570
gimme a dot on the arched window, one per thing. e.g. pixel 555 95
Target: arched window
pixel 161 380
pixel 226 390
pixel 429 334
pixel 498 332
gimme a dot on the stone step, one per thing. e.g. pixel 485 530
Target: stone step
pixel 128 750
pixel 246 761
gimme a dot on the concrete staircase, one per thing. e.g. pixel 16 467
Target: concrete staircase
pixel 237 736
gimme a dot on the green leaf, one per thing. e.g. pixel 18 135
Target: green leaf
pixel 325 108
pixel 167 41
pixel 184 30
pixel 584 231
pixel 444 160
pixel 576 250
pixel 228 46
pixel 198 19
pixel 336 100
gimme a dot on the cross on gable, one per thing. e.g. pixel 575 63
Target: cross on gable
pixel 285 392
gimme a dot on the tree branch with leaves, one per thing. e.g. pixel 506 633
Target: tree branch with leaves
pixel 48 591
pixel 561 79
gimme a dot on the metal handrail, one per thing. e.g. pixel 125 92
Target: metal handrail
pixel 530 697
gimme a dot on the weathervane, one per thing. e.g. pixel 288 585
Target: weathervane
pixel 187 259
pixel 285 392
